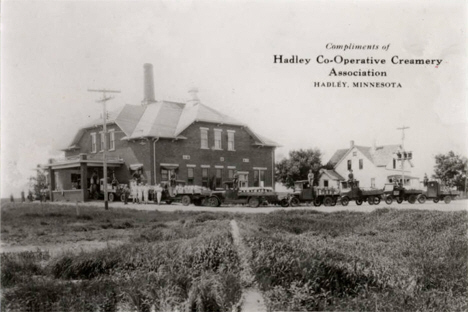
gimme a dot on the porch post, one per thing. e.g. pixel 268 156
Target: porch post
pixel 84 177
pixel 51 180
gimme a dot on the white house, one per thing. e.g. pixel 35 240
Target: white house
pixel 372 166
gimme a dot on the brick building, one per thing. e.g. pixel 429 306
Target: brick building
pixel 199 144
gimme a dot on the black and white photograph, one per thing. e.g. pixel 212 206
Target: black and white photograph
pixel 205 156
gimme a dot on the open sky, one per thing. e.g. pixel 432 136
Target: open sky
pixel 52 52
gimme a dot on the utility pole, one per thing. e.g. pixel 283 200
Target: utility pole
pixel 404 154
pixel 103 100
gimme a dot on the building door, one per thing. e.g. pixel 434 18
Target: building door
pixel 243 179
pixel 259 178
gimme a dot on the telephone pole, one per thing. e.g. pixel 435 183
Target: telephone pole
pixel 103 100
pixel 404 156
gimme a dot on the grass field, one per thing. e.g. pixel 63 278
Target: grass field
pixel 387 260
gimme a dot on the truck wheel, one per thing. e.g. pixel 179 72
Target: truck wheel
pixel 254 202
pixel 213 202
pixel 122 197
pixel 334 200
pixel 376 200
pixel 317 202
pixel 186 200
pixel 389 200
pixel 327 201
pixel 412 199
pixel 345 201
pixel 359 201
pixel 370 200
pixel 284 203
pixel 435 200
pixel 447 199
pixel 399 200
pixel 422 199
pixel 294 202
pixel 110 197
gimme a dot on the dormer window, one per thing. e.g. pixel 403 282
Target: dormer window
pixel 93 143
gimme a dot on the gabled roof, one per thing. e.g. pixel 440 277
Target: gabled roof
pixel 380 156
pixel 332 174
pixel 164 119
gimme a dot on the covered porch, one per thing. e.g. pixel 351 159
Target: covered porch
pixel 69 178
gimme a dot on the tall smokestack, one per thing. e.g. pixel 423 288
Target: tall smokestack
pixel 148 85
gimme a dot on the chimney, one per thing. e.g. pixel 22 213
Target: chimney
pixel 193 98
pixel 148 85
pixel 351 144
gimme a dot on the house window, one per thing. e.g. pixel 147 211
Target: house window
pixel 219 173
pixel 112 140
pixel 230 140
pixel 190 176
pixel 325 183
pixel 217 137
pixel 231 174
pixel 205 177
pixel 354 153
pixel 204 137
pixel 394 163
pixel 93 143
pixel 361 164
pixel 164 175
pixel 349 164
pixel 102 140
pixel 372 182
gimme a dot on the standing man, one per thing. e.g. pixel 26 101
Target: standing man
pixel 235 180
pixel 310 178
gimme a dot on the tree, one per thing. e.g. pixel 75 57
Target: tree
pixel 38 182
pixel 297 166
pixel 451 169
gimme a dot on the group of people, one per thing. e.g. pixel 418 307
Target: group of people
pixel 140 192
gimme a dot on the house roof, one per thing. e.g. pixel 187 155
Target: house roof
pixel 164 119
pixel 332 174
pixel 380 156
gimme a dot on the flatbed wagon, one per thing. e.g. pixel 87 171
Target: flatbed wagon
pixel 252 196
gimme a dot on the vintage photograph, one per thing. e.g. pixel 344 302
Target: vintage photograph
pixel 234 156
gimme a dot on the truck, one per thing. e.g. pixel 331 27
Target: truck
pixel 400 193
pixel 252 196
pixel 437 192
pixel 305 193
pixel 350 190
pixel 185 194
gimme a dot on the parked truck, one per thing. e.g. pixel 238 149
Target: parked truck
pixel 352 191
pixel 399 194
pixel 305 193
pixel 437 192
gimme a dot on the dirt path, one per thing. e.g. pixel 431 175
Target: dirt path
pixel 252 300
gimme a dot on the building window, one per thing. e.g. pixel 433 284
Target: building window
pixel 217 137
pixel 231 174
pixel 361 163
pixel 219 176
pixel 112 140
pixel 205 177
pixel 246 160
pixel 349 164
pixel 103 137
pixel 186 157
pixel 190 176
pixel 259 178
pixel 230 140
pixel 164 175
pixel 325 183
pixel 93 143
pixel 204 137
pixel 394 163
pixel 354 153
